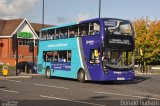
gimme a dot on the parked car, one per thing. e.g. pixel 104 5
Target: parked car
pixel 27 67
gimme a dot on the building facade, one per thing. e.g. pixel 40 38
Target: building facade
pixel 26 32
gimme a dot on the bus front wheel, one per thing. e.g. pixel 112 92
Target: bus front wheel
pixel 48 73
pixel 81 76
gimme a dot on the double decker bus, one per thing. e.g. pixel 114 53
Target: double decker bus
pixel 100 49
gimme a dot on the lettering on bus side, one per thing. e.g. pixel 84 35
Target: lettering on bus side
pixel 61 66
pixel 90 42
pixel 58 45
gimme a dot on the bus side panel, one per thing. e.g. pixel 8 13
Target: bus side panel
pixel 60 45
pixel 90 43
pixel 75 66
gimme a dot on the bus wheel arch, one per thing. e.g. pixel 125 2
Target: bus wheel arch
pixel 48 72
pixel 81 75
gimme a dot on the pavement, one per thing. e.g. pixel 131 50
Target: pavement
pixel 148 73
pixel 12 74
pixel 40 91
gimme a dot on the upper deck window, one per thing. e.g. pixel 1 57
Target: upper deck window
pixel 77 30
pixel 118 27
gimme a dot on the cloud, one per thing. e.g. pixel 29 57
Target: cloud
pixel 62 20
pixel 80 17
pixel 83 16
pixel 16 8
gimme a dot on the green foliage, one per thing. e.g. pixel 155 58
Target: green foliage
pixel 148 39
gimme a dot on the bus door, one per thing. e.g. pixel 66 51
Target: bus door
pixel 94 60
pixel 44 60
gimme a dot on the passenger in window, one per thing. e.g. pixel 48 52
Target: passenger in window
pixel 49 59
pixel 71 34
pixel 84 33
pixel 59 60
pixel 66 35
pixel 69 57
pixel 61 35
pixel 69 60
pixel 104 58
pixel 95 32
pixel 56 59
pixel 64 60
pixel 76 34
pixel 56 36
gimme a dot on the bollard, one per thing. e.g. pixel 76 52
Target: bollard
pixel 5 70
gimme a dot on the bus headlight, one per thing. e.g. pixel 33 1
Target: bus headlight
pixel 105 69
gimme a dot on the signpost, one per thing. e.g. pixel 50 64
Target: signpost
pixel 31 49
pixel 15 47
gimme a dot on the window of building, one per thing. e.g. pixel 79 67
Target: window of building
pixel 24 42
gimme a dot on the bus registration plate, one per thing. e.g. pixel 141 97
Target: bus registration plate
pixel 120 78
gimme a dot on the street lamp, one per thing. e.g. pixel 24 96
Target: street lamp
pixel 99 8
pixel 43 15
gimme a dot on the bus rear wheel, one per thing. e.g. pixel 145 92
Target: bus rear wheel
pixel 48 73
pixel 81 76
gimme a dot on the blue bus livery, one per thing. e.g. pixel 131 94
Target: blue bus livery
pixel 98 49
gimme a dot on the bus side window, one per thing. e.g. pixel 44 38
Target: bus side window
pixel 62 56
pixel 83 29
pixel 44 56
pixel 73 31
pixel 49 56
pixel 71 34
pixel 55 56
pixel 69 56
pixel 43 35
pixel 94 56
pixel 94 28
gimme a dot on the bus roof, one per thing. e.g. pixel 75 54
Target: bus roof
pixel 75 23
pixel 59 26
pixel 69 24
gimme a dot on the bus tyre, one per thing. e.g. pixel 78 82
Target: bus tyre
pixel 48 73
pixel 81 76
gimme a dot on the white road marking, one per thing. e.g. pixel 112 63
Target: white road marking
pixel 51 97
pixel 51 86
pixel 12 80
pixel 117 94
pixel 9 91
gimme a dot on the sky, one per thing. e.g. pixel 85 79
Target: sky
pixel 66 11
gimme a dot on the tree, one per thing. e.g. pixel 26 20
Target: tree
pixel 148 39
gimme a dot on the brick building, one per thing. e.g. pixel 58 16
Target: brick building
pixel 26 32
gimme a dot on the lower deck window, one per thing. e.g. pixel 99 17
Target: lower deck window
pixel 57 56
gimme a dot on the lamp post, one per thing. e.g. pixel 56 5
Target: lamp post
pixel 43 15
pixel 99 8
